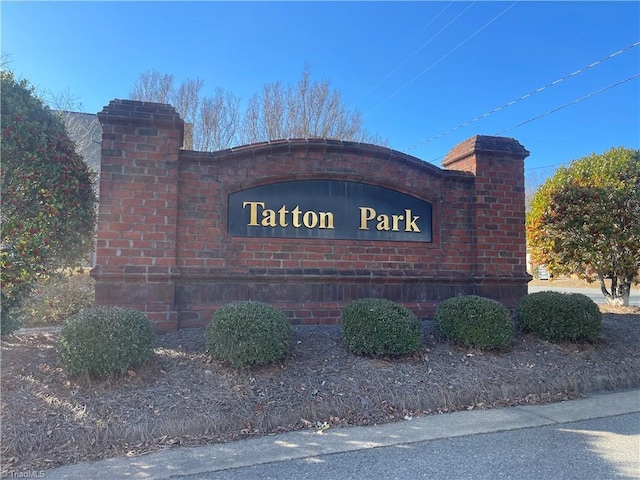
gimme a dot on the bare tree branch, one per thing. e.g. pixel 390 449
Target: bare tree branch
pixel 83 128
pixel 305 110
pixel 308 109
pixel 152 86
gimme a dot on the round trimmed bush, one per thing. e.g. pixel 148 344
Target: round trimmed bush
pixel 474 321
pixel 105 340
pixel 377 326
pixel 248 333
pixel 557 316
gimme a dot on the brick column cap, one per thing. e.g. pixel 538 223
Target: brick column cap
pixel 485 144
pixel 141 114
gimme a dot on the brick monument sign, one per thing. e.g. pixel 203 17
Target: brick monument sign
pixel 304 225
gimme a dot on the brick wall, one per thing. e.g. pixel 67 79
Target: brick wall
pixel 163 245
pixel 137 222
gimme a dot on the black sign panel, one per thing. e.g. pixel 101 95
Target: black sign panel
pixel 328 209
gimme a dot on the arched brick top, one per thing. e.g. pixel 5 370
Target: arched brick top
pixel 322 159
pixel 317 146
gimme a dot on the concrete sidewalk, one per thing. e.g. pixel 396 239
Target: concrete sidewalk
pixel 304 444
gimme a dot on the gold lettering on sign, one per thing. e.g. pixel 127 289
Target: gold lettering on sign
pixel 410 224
pixel 296 217
pixel 283 215
pixel 253 212
pixel 259 216
pixel 326 220
pixel 386 223
pixel 366 214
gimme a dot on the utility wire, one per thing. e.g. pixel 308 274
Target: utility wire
pixel 420 47
pixel 592 94
pixel 443 57
pixel 433 20
pixel 543 167
pixel 525 96
pixel 570 103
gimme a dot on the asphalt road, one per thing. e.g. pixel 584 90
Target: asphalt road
pixel 593 293
pixel 604 448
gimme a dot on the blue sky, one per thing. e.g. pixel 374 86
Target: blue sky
pixel 414 69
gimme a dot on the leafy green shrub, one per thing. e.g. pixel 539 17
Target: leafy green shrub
pixel 47 197
pixel 248 333
pixel 377 326
pixel 474 322
pixel 559 316
pixel 105 340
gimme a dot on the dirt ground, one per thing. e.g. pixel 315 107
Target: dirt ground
pixel 182 398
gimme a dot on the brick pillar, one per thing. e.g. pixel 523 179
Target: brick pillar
pixel 499 214
pixel 137 224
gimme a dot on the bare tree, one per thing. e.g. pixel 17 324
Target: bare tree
pixel 265 117
pixel 186 99
pixel 152 86
pixel 533 179
pixel 305 110
pixel 217 123
pixel 5 61
pixel 82 128
pixel 212 122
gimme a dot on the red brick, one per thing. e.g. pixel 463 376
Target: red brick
pixel 169 216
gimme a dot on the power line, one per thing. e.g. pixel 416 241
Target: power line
pixel 527 95
pixel 543 167
pixel 420 47
pixel 570 103
pixel 592 94
pixel 443 57
pixel 433 19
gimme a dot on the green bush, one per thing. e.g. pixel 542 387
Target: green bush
pixel 47 197
pixel 105 340
pixel 377 326
pixel 248 333
pixel 474 322
pixel 557 316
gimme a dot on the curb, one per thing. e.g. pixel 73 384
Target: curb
pixel 304 444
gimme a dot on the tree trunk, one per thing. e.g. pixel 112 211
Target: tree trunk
pixel 620 291
pixel 624 291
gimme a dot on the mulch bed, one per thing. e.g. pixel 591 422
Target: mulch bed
pixel 183 398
